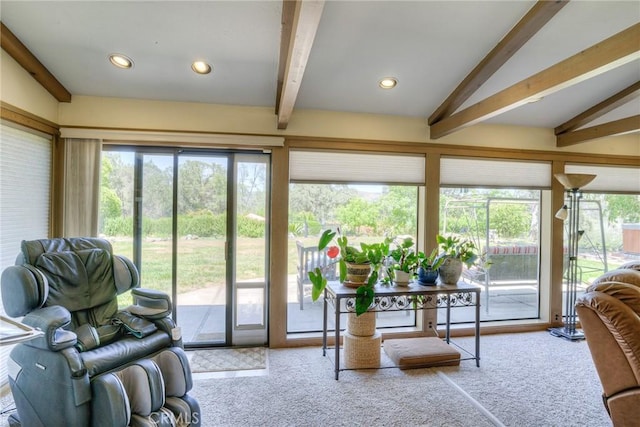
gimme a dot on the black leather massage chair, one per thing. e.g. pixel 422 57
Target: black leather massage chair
pixel 94 364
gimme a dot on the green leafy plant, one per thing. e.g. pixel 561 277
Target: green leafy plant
pixel 343 253
pixel 430 262
pixel 454 247
pixel 403 256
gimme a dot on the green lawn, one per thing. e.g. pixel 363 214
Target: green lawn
pixel 201 262
pixel 592 269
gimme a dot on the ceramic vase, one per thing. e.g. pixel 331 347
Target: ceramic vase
pixel 450 271
pixel 401 278
pixel 427 277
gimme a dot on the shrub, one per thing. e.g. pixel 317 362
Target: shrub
pixel 202 224
pixel 118 226
pixel 248 227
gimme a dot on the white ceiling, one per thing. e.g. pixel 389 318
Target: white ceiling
pixel 430 46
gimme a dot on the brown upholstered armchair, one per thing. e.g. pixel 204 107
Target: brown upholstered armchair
pixel 609 314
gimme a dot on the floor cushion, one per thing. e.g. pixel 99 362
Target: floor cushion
pixel 421 352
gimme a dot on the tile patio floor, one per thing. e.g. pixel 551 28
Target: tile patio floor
pixel 201 315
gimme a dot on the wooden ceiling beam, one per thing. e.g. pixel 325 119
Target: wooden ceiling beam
pixel 306 18
pixel 613 52
pixel 616 127
pixel 288 13
pixel 600 109
pixel 18 51
pixel 526 28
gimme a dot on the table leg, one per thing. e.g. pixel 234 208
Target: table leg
pixel 337 343
pixel 448 324
pixel 478 329
pixel 324 325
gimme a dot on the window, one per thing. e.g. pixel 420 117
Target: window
pixel 25 171
pixel 504 224
pixel 609 220
pixel 369 196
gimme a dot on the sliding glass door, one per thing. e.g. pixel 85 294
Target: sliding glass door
pixel 202 262
pixel 197 231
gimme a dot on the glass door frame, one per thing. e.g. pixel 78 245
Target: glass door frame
pixel 246 337
pixel 247 334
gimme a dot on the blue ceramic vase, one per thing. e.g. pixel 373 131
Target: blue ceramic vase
pixel 427 277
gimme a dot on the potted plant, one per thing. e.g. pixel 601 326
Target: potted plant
pixel 403 261
pixel 428 267
pixel 454 253
pixel 359 267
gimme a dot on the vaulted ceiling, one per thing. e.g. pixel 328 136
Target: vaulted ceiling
pixel 573 66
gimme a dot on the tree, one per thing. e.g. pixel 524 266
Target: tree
pixel 202 186
pixel 319 199
pixel 623 208
pixel 398 210
pixel 216 190
pixel 157 191
pixel 110 203
pixel 251 188
pixel 510 220
pixel 357 213
pixel 117 174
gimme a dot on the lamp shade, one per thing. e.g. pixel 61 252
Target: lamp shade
pixel 563 213
pixel 574 181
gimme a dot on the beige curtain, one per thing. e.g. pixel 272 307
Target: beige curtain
pixel 81 187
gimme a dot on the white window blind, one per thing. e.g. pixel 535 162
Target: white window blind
pixel 494 173
pixel 25 171
pixel 314 166
pixel 609 178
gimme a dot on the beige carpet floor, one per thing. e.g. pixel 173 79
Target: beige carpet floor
pixel 529 379
pixel 524 380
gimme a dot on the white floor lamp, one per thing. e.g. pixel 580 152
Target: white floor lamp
pixel 572 184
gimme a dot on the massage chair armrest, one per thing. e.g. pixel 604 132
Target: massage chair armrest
pixel 155 306
pixel 150 304
pixel 51 321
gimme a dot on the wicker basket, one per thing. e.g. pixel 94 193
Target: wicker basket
pixel 363 325
pixel 362 352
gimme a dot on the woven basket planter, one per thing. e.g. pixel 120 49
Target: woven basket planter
pixel 362 352
pixel 363 325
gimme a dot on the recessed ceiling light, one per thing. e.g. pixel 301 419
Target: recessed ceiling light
pixel 201 67
pixel 388 83
pixel 121 61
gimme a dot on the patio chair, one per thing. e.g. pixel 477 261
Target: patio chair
pixel 308 259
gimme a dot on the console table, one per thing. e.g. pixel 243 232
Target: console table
pixel 397 298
